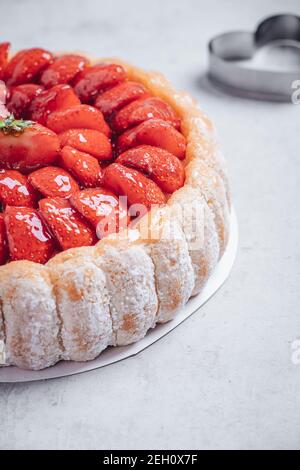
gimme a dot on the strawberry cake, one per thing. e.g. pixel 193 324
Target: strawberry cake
pixel 114 205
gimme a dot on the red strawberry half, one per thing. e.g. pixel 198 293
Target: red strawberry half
pixel 26 66
pixel 28 237
pixel 81 116
pixel 92 80
pixel 102 208
pixel 84 167
pixel 33 147
pixel 68 226
pixel 134 185
pixel 57 98
pixel 53 182
pixel 15 190
pixel 20 98
pixel 89 141
pixel 142 110
pixel 162 167
pixel 114 99
pixel 157 133
pixel 63 70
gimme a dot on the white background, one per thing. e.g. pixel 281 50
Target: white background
pixel 223 379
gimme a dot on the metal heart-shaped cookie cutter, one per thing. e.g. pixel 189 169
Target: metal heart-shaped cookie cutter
pixel 263 64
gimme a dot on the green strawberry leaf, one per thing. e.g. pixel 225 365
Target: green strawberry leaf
pixel 10 125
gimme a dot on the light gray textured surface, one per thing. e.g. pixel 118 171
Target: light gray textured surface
pixel 223 379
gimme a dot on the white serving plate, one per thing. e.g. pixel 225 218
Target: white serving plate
pixel 111 355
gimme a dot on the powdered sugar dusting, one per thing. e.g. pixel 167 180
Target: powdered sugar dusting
pixel 83 305
pixel 130 282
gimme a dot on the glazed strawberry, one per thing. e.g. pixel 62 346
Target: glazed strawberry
pixel 3 242
pixel 57 98
pixel 4 49
pixel 53 182
pixel 83 166
pixel 81 116
pixel 28 237
pixel 28 147
pixel 61 149
pixel 157 133
pixel 68 226
pixel 27 65
pixel 102 208
pixel 15 190
pixel 142 110
pixel 133 184
pixel 162 167
pixel 89 141
pixel 63 70
pixel 20 98
pixel 92 80
pixel 114 99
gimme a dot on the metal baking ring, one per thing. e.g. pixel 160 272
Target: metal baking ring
pixel 230 56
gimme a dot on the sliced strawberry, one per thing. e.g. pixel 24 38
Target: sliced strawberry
pixel 92 80
pixel 81 116
pixel 83 166
pixel 28 237
pixel 53 182
pixel 68 226
pixel 27 65
pixel 102 208
pixel 3 242
pixel 15 190
pixel 114 99
pixel 142 110
pixel 157 133
pixel 35 147
pixel 20 98
pixel 133 184
pixel 162 167
pixel 89 141
pixel 63 70
pixel 4 49
pixel 57 98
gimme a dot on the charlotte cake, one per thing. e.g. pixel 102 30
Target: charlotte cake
pixel 81 270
